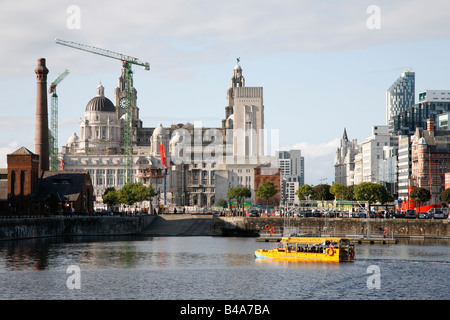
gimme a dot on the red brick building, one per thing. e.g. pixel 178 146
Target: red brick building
pixel 51 192
pixel 430 156
pixel 267 173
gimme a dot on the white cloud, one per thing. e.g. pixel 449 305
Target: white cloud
pixel 319 160
pixel 179 33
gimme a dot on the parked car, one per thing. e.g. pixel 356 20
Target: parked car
pixel 438 214
pixel 254 213
pixel 316 214
pixel 305 213
pixel 410 214
pixel 423 215
pixel 399 214
pixel 358 214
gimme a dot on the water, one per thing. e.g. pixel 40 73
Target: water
pixel 199 268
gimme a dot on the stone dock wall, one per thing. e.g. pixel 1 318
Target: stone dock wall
pixel 24 228
pixel 337 226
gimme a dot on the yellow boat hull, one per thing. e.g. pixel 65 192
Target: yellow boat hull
pixel 310 249
pixel 277 254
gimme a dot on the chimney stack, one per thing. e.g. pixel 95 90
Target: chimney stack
pixel 41 139
pixel 430 126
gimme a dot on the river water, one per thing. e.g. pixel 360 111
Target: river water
pixel 199 268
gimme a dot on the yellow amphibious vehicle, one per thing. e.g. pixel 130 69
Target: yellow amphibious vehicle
pixel 310 249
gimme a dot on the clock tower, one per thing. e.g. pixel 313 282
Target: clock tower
pixel 119 101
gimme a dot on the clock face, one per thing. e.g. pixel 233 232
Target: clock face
pixel 123 102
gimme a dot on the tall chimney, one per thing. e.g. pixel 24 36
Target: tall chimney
pixel 430 126
pixel 41 139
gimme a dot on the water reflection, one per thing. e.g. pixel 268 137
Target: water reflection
pixel 184 252
pixel 297 264
pixel 213 268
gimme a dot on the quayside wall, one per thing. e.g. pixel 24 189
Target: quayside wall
pixel 24 228
pixel 336 226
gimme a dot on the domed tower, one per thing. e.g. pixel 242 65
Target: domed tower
pixel 100 130
pixel 159 136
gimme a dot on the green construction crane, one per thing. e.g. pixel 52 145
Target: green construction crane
pixel 127 61
pixel 54 121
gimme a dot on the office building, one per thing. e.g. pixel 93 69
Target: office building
pixel 399 96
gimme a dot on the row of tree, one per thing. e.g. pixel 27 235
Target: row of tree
pixel 129 194
pixel 132 193
pixel 366 191
pixel 266 190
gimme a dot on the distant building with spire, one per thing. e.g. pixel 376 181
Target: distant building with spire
pixel 344 161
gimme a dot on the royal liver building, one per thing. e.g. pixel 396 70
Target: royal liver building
pixel 201 163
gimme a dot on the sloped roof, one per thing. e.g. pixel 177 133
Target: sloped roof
pixel 22 151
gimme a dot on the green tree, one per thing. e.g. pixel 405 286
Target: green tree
pixel 110 197
pixel 370 192
pixel 321 192
pixel 349 193
pixel 222 203
pixel 339 190
pixel 267 190
pixel 420 195
pixel 240 194
pixel 445 196
pixel 135 192
pixel 303 192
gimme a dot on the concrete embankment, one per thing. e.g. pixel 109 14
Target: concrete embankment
pixel 24 228
pixel 339 226
pixel 182 225
pixel 211 225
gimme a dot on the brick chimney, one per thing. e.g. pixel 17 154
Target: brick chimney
pixel 41 139
pixel 430 126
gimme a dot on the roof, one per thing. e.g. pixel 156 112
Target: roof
pixel 100 103
pixel 22 151
pixel 65 185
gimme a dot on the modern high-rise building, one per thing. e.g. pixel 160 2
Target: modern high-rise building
pixel 400 96
pixel 292 175
pixel 372 152
pixel 404 168
pixel 431 104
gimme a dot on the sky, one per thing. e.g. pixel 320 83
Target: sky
pixel 324 65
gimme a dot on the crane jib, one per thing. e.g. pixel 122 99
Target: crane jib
pixel 104 52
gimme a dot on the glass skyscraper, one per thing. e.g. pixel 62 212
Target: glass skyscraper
pixel 399 97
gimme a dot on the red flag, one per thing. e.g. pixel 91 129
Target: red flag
pixel 163 155
pixel 61 165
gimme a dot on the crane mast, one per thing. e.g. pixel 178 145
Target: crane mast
pixel 54 121
pixel 128 118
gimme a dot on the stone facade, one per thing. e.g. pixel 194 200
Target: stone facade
pixel 195 155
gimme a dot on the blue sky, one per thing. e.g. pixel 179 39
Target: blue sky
pixel 321 67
